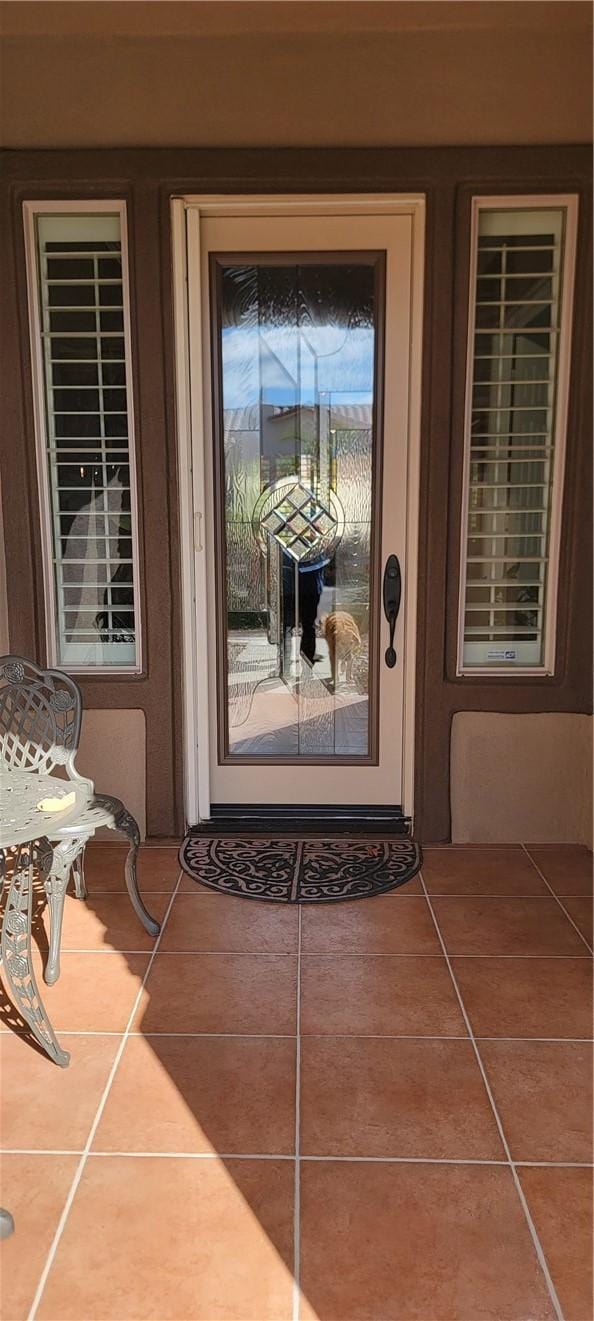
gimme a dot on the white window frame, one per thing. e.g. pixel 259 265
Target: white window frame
pixel 536 202
pixel 72 206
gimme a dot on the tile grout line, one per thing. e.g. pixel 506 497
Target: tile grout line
pixel 586 1041
pixel 553 1164
pixel 154 844
pixel 93 1129
pixel 520 1191
pixel 479 894
pixel 63 1032
pixel 95 893
pixel 210 953
pixel 558 900
pixel 284 1156
pixel 282 906
pixel 311 1036
pixel 316 954
pixel 509 848
pixel 296 1289
pixel 348 954
pixel 40 1151
pixel 442 1160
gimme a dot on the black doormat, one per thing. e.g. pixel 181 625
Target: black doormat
pixel 300 871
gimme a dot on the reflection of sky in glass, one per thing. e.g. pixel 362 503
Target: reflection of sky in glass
pixel 283 363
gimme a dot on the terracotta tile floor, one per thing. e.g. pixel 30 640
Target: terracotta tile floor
pixel 377 1111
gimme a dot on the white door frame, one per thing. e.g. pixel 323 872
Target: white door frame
pixel 186 213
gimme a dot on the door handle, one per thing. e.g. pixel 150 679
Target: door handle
pixel 392 596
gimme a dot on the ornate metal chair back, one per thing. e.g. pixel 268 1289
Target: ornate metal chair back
pixel 40 717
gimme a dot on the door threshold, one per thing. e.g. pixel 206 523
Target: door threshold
pixel 306 819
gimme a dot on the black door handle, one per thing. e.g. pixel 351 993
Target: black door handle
pixel 392 595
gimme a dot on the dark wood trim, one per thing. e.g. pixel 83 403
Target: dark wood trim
pixel 147 179
pixel 430 767
pixel 296 169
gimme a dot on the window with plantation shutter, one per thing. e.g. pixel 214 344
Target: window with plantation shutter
pixel 519 329
pixel 79 320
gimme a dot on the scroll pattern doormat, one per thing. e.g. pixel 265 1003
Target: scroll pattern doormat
pixel 297 871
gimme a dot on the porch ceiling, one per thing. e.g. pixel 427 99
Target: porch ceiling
pixel 295 74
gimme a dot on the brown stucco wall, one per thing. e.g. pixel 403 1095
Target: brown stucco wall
pixel 112 752
pixel 147 179
pixel 570 689
pixel 395 73
pixel 4 633
pixel 521 778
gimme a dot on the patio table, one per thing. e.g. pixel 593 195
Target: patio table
pixel 24 811
pixel 31 803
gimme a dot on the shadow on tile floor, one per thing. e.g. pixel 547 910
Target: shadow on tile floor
pixel 190 1107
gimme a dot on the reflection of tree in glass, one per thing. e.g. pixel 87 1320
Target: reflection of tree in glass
pixel 301 296
pixel 96 537
pixel 114 626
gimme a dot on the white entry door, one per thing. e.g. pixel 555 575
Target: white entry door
pixel 303 348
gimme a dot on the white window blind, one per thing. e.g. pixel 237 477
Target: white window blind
pixel 519 318
pixel 80 331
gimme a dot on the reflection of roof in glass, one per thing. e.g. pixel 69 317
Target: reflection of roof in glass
pixel 344 415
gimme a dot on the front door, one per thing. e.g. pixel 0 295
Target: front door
pixel 305 388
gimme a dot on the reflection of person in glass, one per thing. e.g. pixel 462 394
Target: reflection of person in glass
pixel 311 582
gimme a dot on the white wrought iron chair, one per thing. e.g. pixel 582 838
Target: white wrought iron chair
pixel 40 719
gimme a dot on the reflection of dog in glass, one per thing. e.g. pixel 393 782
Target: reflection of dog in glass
pixel 344 642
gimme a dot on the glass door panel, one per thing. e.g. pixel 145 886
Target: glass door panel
pixel 296 353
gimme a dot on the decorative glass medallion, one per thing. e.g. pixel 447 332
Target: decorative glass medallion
pixel 293 516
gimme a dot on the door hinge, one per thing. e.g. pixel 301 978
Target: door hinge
pixel 198 531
